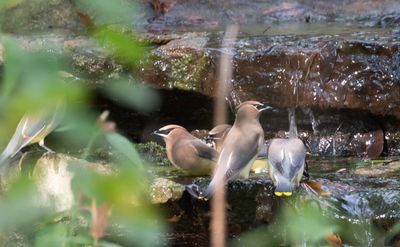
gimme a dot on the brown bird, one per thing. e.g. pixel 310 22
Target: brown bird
pixel 216 136
pixel 241 146
pixel 287 160
pixel 187 152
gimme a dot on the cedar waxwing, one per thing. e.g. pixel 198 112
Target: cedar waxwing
pixel 33 128
pixel 187 152
pixel 216 136
pixel 287 160
pixel 241 146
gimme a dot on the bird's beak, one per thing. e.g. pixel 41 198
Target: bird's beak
pixel 155 133
pixel 161 133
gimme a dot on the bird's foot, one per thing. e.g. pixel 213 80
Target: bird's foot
pixel 194 191
pixel 48 150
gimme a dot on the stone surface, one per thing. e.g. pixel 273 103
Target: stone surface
pixel 48 15
pixel 53 175
pixel 163 190
pixel 181 64
pixel 153 153
pixel 361 205
pixel 385 168
pixel 40 16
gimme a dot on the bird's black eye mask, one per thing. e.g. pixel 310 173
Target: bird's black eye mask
pixel 263 107
pixel 163 132
pixel 260 106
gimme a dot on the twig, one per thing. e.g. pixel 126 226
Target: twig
pixel 218 220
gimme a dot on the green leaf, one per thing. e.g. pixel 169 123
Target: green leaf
pixel 120 12
pixel 132 94
pixel 120 44
pixel 55 235
pixel 125 148
pixel 108 244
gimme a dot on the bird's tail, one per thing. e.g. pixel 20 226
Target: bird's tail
pixel 292 123
pixel 283 187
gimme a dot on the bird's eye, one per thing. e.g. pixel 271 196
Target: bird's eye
pixel 259 106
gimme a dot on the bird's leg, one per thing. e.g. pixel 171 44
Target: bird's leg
pixel 305 172
pixel 41 143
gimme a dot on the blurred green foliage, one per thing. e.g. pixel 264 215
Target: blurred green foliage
pixel 108 210
pixel 300 222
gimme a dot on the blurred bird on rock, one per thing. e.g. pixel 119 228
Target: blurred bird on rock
pixel 33 128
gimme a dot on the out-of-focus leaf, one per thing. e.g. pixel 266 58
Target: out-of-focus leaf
pixel 125 189
pixel 12 55
pixel 261 237
pixel 19 199
pixel 133 95
pixel 119 12
pixel 32 80
pixel 119 44
pixel 108 244
pixel 306 223
pixel 125 148
pixel 142 230
pixel 10 3
pixel 298 224
pixel 126 193
pixel 55 235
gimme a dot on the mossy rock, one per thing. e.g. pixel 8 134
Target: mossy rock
pixel 153 153
pixel 163 190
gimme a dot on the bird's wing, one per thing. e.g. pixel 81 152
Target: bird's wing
pixel 191 150
pixel 237 157
pixel 295 154
pixel 204 151
pixel 287 156
pixel 28 128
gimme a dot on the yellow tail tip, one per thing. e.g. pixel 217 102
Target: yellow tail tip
pixel 283 193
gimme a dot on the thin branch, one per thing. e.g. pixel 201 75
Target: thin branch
pixel 224 85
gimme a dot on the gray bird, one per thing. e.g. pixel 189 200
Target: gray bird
pixel 287 160
pixel 187 152
pixel 241 146
pixel 216 136
pixel 33 128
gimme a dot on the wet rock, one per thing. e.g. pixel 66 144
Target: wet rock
pixel 90 60
pixel 249 204
pixel 209 15
pixel 392 140
pixel 39 16
pixel 53 175
pixel 182 64
pixel 27 16
pixel 163 190
pixel 383 168
pixel 356 70
pixel 358 136
pixel 153 153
